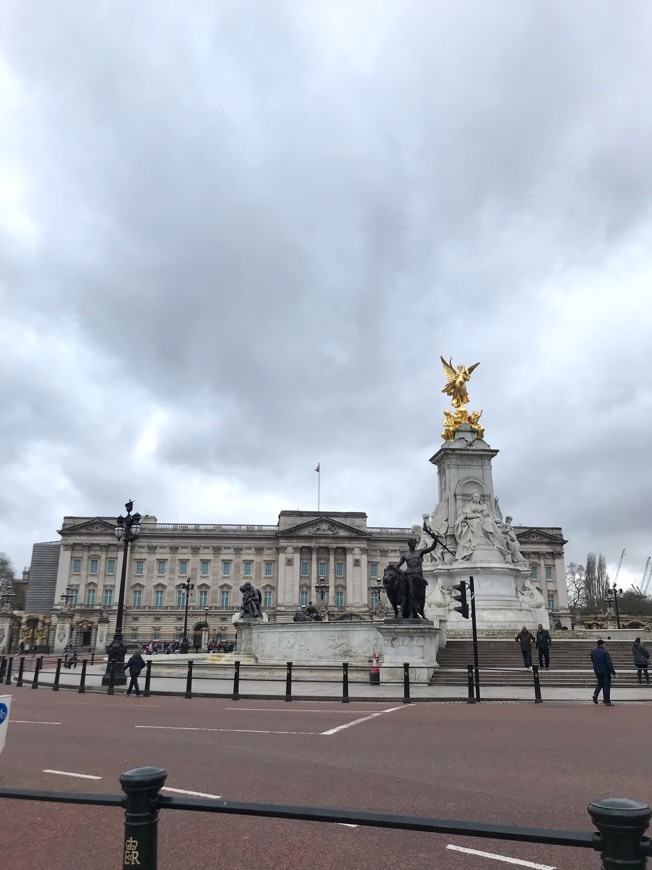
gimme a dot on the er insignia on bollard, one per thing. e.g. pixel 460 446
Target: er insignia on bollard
pixel 131 852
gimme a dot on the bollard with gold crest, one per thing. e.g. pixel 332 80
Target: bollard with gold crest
pixel 141 787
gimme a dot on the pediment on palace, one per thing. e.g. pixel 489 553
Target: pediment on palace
pixel 542 536
pixel 323 526
pixel 92 527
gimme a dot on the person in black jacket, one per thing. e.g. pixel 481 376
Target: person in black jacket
pixel 604 670
pixel 525 639
pixel 135 664
pixel 641 660
pixel 544 642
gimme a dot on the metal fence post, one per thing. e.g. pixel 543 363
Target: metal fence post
pixel 57 677
pixel 537 685
pixel 37 670
pixel 10 664
pixel 406 683
pixel 345 682
pixel 236 682
pixel 621 824
pixel 288 682
pixel 93 657
pixel 148 679
pixel 469 678
pixel 110 690
pixel 21 668
pixel 189 680
pixel 82 678
pixel 3 665
pixel 141 786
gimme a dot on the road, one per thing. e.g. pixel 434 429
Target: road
pixel 502 763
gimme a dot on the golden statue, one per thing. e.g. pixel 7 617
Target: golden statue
pixel 457 380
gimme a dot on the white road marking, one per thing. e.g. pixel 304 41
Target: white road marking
pixel 359 721
pixel 221 730
pixel 201 794
pixel 69 773
pixel 501 858
pixel 348 712
pixel 29 722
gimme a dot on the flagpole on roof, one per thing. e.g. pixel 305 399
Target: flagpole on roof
pixel 318 470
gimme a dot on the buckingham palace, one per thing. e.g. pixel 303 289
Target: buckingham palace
pixel 332 559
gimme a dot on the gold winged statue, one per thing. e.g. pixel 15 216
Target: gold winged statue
pixel 456 381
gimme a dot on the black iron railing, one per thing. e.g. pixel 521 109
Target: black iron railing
pixel 620 836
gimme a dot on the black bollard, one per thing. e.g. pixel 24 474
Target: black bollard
pixel 37 670
pixel 621 824
pixel 93 657
pixel 21 668
pixel 236 682
pixel 345 682
pixel 82 679
pixel 148 679
pixel 111 687
pixel 469 678
pixel 189 680
pixel 537 685
pixel 406 683
pixel 3 665
pixel 288 682
pixel 57 675
pixel 142 787
pixel 10 664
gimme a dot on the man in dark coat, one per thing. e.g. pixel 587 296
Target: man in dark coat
pixel 526 639
pixel 604 669
pixel 544 642
pixel 641 660
pixel 135 664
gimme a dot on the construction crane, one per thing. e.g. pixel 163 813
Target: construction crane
pixel 647 575
pixel 620 562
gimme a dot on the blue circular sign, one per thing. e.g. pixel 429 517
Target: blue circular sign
pixel 3 713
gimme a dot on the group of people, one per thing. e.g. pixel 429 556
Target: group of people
pixel 69 656
pixel 603 666
pixel 542 642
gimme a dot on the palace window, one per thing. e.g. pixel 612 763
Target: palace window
pixel 224 598
pixel 138 597
pixel 156 632
pixel 134 632
pixel 94 564
pixel 226 569
pixel 73 592
pixel 181 597
pixel 108 597
pixel 267 598
pixel 269 569
pixel 339 569
pixel 303 598
pixel 76 566
pixel 183 567
pixel 204 569
pixel 90 597
pixel 247 569
pixel 373 569
pixel 203 597
pixel 551 601
pixel 534 572
pixel 322 569
pixel 159 596
pixel 305 569
pixel 140 567
pixel 339 598
pixel 160 567
pixel 548 572
pixel 374 597
pixel 110 566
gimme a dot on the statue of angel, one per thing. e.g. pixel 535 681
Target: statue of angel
pixel 457 381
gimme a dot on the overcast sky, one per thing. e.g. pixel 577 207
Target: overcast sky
pixel 235 238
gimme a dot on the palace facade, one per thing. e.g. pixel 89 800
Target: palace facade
pixel 334 560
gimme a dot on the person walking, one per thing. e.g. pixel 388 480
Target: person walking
pixel 641 660
pixel 544 642
pixel 604 670
pixel 526 639
pixel 135 664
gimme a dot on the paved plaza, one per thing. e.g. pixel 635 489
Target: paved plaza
pixel 502 763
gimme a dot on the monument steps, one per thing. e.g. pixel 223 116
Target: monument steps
pixel 501 663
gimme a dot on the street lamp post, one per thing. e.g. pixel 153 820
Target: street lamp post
pixel 185 643
pixel 613 594
pixel 321 588
pixel 127 531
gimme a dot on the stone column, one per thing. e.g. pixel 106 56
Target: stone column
pixel 331 575
pixel 63 631
pixel 102 632
pixel 5 631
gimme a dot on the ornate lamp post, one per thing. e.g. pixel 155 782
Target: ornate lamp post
pixel 321 588
pixel 184 646
pixel 127 531
pixel 612 597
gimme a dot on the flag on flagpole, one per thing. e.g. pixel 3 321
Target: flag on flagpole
pixel 318 464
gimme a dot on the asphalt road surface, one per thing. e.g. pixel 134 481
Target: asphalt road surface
pixel 509 763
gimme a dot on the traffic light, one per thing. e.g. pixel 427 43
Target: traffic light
pixel 464 604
